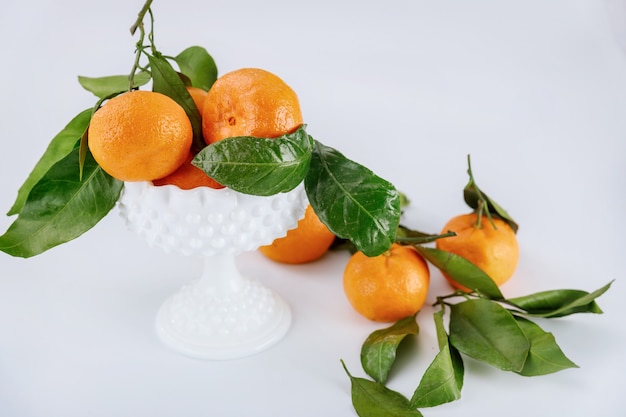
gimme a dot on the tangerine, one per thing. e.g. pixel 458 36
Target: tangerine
pixel 140 136
pixel 495 250
pixel 387 287
pixel 249 102
pixel 198 95
pixel 188 176
pixel 307 242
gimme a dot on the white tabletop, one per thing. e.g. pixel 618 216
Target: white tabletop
pixel 534 91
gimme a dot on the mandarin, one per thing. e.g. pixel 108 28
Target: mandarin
pixel 188 176
pixel 249 102
pixel 387 287
pixel 495 250
pixel 198 95
pixel 140 136
pixel 306 243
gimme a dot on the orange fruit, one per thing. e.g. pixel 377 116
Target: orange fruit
pixel 387 287
pixel 306 243
pixel 188 176
pixel 198 95
pixel 249 102
pixel 494 250
pixel 140 136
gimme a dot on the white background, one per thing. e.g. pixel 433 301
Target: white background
pixel 535 91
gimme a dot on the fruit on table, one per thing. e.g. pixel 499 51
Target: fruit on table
pixel 309 241
pixel 249 102
pixel 495 250
pixel 140 136
pixel 387 287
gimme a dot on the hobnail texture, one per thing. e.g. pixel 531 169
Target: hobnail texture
pixel 206 221
pixel 221 315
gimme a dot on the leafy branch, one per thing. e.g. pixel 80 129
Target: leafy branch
pixel 482 203
pixel 483 324
pixel 484 329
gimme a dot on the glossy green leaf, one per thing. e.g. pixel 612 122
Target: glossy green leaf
pixel 474 196
pixel 165 80
pixel 60 146
pixel 443 379
pixel 352 201
pixel 462 271
pixel 559 303
pixel 258 166
pixel 545 356
pixel 486 331
pixel 196 63
pixel 373 399
pixel 61 207
pixel 440 382
pixel 103 87
pixel 378 352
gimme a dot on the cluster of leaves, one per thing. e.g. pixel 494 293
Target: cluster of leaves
pixel 67 193
pixel 350 199
pixel 484 326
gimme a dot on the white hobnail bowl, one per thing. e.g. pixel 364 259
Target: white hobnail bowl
pixel 221 315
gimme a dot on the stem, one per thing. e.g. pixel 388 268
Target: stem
pixel 138 52
pixel 142 34
pixel 479 214
pixel 142 13
pixel 416 240
pixel 151 34
pixel 483 204
pixel 458 293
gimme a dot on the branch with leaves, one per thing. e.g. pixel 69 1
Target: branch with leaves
pixel 483 324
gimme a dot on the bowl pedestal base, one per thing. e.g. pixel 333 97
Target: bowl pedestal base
pixel 222 315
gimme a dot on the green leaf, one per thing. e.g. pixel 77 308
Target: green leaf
pixel 559 303
pixel 440 382
pixel 196 63
pixel 60 146
pixel 545 355
pixel 486 331
pixel 165 80
pixel 443 380
pixel 462 271
pixel 378 352
pixel 61 207
pixel 474 197
pixel 340 244
pixel 372 399
pixel 103 87
pixel 258 166
pixel 352 201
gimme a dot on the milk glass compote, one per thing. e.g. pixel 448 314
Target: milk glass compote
pixel 222 314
